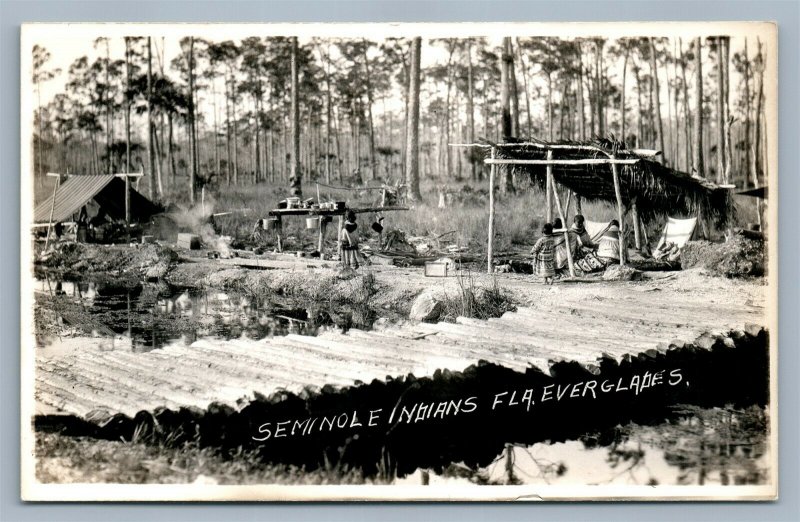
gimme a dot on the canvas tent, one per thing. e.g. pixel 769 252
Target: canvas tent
pixel 107 191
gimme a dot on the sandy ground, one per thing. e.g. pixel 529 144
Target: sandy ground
pixel 398 285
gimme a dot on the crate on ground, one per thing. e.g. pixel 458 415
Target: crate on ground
pixel 188 241
pixel 442 267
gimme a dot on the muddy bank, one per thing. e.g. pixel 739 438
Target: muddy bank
pixel 388 293
pixel 123 264
pixel 740 256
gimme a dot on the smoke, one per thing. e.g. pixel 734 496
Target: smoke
pixel 196 220
pixel 193 218
pixel 214 242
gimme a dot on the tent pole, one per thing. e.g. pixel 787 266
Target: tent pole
pixel 618 193
pixel 569 203
pixel 128 207
pixel 563 221
pixel 549 190
pixel 52 211
pixel 489 248
pixel 323 226
pixel 644 232
pixel 637 233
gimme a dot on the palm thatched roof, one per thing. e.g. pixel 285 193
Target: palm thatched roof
pixel 658 190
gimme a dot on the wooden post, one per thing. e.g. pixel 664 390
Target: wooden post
pixel 644 232
pixel 552 183
pixel 704 227
pixel 548 190
pixel 569 203
pixel 52 211
pixel 490 247
pixel 618 192
pixel 128 207
pixel 339 235
pixel 637 233
pixel 278 232
pixel 323 225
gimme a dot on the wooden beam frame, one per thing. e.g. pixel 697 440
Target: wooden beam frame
pixel 548 188
pixel 637 234
pixel 534 144
pixel 52 210
pixel 590 161
pixel 563 218
pixel 490 247
pixel 618 193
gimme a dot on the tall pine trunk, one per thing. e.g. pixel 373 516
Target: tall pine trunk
pixel 550 106
pixel 726 174
pixel 471 111
pixel 622 92
pixel 192 135
pixel 171 151
pixel 294 167
pixel 524 71
pixel 687 123
pixel 697 159
pixel 758 168
pixel 512 78
pixel 109 135
pixel 127 106
pixel 256 105
pixel 506 64
pixel 747 114
pixel 217 165
pixel 412 142
pixel 235 131
pixel 581 102
pixel 720 113
pixel 150 128
pixel 505 92
pixel 371 129
pixel 659 128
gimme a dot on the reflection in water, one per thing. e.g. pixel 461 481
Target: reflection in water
pixel 156 314
pixel 720 446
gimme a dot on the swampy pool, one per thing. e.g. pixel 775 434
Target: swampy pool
pixel 153 315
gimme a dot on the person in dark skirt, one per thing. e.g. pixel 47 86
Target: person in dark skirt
pixel 348 239
pixel 543 253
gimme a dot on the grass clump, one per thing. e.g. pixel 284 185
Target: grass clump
pixel 476 301
pixel 61 459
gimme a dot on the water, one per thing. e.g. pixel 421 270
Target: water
pixel 153 315
pixel 715 446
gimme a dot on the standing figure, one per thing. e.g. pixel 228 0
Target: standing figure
pixel 544 256
pixel 348 239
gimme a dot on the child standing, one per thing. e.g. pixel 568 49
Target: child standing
pixel 544 256
pixel 348 239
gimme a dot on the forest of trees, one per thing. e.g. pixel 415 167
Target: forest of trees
pixel 281 111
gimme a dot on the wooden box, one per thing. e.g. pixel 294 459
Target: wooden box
pixel 188 241
pixel 437 269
